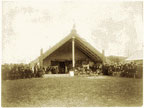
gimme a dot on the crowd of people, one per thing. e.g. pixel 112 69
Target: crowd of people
pixel 123 70
pixel 113 69
pixel 96 69
pixel 52 70
pixel 22 71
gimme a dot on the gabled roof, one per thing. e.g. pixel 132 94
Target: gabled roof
pixel 83 45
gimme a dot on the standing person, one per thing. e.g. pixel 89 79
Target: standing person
pixel 25 71
pixel 106 69
pixel 16 72
pixel 32 70
pixel 134 69
pixel 35 70
pixel 56 69
pixel 129 70
pixel 40 71
pixel 103 68
pixel 100 69
pixel 126 70
pixel 44 70
pixel 110 70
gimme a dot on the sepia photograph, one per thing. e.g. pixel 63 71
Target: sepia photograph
pixel 72 53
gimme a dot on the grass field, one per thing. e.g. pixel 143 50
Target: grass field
pixel 72 91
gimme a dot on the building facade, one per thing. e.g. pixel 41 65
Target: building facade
pixel 69 53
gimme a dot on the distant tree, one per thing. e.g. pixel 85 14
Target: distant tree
pixel 116 59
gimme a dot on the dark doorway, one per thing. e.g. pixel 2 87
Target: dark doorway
pixel 62 67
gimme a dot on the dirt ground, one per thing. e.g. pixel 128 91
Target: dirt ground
pixel 72 92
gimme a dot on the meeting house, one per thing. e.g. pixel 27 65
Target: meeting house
pixel 70 53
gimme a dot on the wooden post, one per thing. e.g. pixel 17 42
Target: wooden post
pixel 73 52
pixel 41 60
pixel 103 56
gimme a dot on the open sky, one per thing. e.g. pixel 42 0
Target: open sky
pixel 28 26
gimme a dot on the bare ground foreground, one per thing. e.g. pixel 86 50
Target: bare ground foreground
pixel 72 91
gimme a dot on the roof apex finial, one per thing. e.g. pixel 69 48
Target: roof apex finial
pixel 74 26
pixel 73 31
